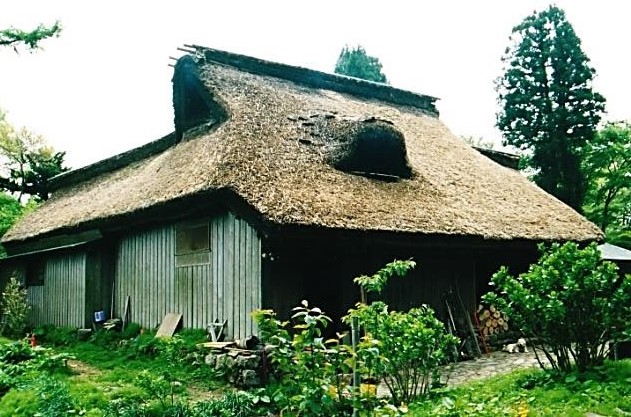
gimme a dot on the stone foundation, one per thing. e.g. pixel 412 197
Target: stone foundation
pixel 242 368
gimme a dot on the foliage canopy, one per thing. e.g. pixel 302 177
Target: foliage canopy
pixel 10 211
pixel 30 39
pixel 607 165
pixel 355 62
pixel 26 162
pixel 14 308
pixel 547 104
pixel 570 304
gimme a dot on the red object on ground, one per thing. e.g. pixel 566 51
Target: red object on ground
pixel 33 341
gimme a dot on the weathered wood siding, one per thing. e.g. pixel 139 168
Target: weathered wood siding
pixel 225 288
pixel 145 271
pixel 61 300
pixel 236 269
pixel 98 281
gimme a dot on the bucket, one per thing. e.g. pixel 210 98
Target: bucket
pixel 99 316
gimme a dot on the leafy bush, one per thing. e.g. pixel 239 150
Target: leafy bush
pixel 13 309
pixel 16 352
pixel 377 282
pixel 55 398
pixel 123 407
pixel 313 374
pixel 307 381
pixel 570 304
pixel 131 330
pixel 18 359
pixel 19 403
pixel 56 336
pixel 162 388
pixel 405 349
pixel 21 354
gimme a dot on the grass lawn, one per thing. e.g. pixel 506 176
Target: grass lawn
pixel 606 391
pixel 137 371
pixel 97 375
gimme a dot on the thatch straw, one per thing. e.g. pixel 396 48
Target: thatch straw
pixel 274 150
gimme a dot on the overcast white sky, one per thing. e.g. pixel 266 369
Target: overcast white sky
pixel 104 86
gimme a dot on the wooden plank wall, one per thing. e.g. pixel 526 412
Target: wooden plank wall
pixel 61 300
pixel 228 287
pixel 236 264
pixel 145 266
pixel 98 278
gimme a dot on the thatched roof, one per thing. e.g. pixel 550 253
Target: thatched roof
pixel 506 159
pixel 277 150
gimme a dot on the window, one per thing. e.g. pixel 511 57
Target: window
pixel 192 244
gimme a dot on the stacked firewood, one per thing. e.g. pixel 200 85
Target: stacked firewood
pixel 491 320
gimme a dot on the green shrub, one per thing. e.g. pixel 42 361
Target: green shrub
pixel 19 359
pixel 570 304
pixel 146 345
pixel 131 330
pixel 125 407
pixel 162 388
pixel 44 396
pixel 19 403
pixel 193 336
pixel 16 352
pixel 105 338
pixel 312 375
pixel 404 349
pixel 55 398
pixel 13 309
pixel 182 350
pixel 306 376
pixel 56 336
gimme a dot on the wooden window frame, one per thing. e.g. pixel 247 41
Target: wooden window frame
pixel 192 243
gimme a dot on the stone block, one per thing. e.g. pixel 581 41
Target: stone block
pixel 250 378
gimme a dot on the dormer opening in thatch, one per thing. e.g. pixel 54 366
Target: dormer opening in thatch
pixel 196 110
pixel 373 148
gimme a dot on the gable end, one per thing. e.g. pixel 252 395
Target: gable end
pixel 196 109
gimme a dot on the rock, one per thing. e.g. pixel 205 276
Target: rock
pixel 224 362
pixel 248 361
pixel 211 359
pixel 232 378
pixel 250 378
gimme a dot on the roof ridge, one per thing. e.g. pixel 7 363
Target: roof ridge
pixel 317 79
pixel 112 163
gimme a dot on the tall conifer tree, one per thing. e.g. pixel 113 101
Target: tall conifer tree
pixel 548 105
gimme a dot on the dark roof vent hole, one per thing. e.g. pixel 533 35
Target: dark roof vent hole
pixel 373 148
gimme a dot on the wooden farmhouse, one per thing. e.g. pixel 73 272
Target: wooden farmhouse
pixel 279 184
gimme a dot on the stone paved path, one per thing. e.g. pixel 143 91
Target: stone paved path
pixel 488 365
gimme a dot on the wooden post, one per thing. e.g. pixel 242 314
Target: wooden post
pixel 354 340
pixel 468 321
pixel 126 312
